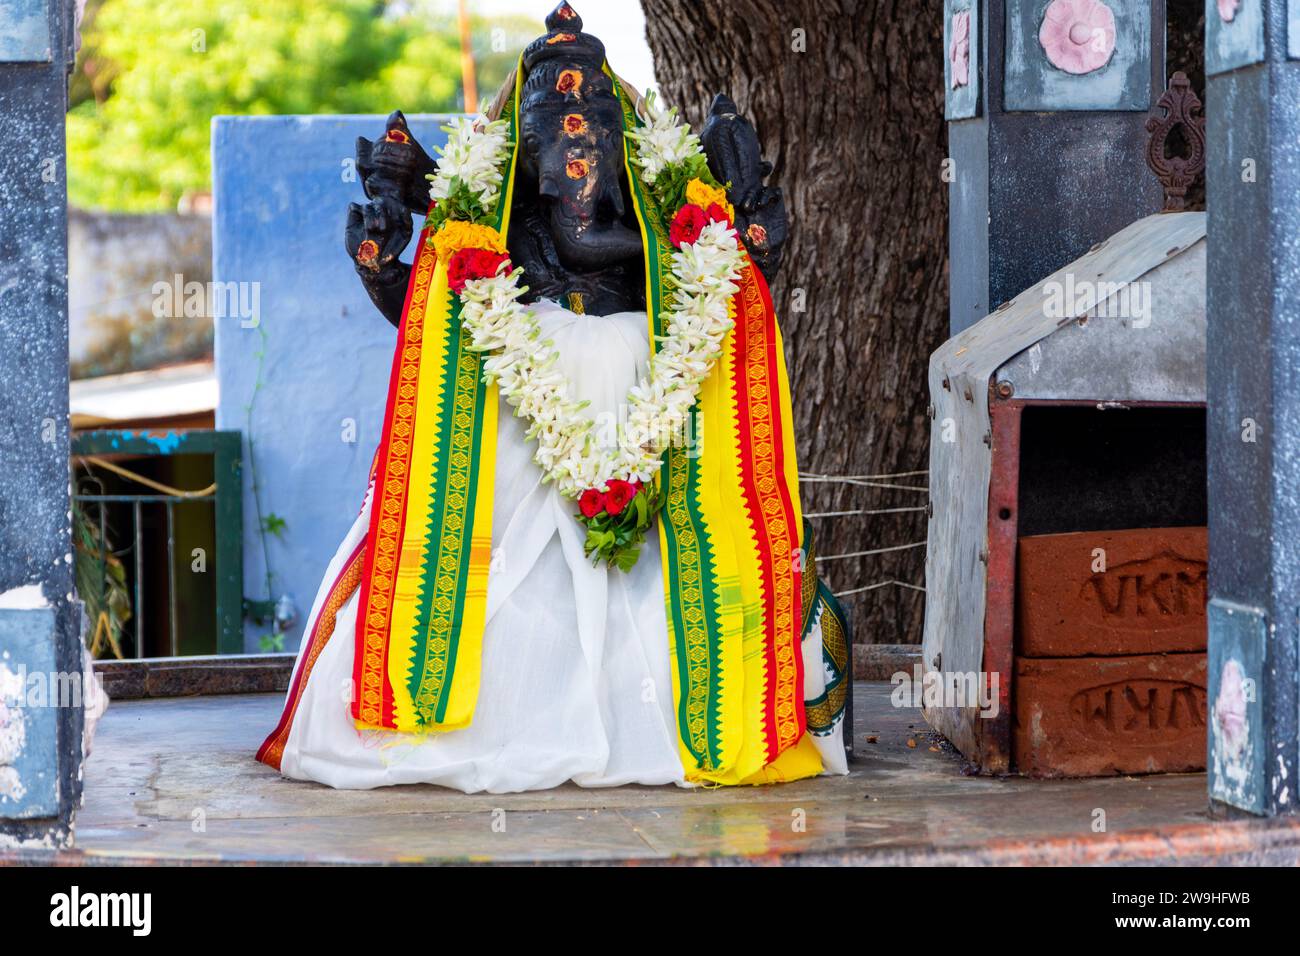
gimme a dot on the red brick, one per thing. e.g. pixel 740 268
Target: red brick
pixel 1093 716
pixel 1151 598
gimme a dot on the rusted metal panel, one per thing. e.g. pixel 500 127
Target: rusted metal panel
pixel 1000 559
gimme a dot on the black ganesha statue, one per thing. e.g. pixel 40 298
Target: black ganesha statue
pixel 576 237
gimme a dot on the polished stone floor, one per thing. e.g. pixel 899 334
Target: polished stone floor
pixel 175 779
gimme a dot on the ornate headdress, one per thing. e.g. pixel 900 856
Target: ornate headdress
pixel 565 40
pixel 564 61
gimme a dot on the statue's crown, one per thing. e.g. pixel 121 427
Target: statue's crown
pixel 564 39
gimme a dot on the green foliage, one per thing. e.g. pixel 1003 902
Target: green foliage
pixel 150 77
pixel 461 204
pixel 271 643
pixel 670 185
pixel 274 524
pixel 617 539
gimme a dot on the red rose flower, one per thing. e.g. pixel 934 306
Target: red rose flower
pixel 717 214
pixel 619 494
pixel 469 264
pixel 687 225
pixel 591 503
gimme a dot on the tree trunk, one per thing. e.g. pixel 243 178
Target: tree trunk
pixel 854 127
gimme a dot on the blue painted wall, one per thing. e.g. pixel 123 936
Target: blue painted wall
pixel 320 350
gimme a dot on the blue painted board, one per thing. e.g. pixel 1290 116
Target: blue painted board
pixel 962 102
pixel 1237 643
pixel 1231 44
pixel 1032 83
pixel 29 734
pixel 24 32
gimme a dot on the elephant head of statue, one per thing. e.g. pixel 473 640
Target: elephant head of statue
pixel 571 153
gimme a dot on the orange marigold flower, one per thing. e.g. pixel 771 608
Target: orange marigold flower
pixel 455 235
pixel 703 195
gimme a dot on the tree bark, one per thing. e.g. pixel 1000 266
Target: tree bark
pixel 854 127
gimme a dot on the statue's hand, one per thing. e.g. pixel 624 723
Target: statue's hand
pixel 376 234
pixel 396 167
pixel 731 144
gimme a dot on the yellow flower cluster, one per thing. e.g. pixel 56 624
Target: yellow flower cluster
pixel 703 195
pixel 456 235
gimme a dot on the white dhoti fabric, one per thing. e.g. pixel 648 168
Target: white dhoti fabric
pixel 575 680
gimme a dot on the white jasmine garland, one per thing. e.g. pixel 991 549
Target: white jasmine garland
pixel 525 367
pixel 475 153
pixel 663 141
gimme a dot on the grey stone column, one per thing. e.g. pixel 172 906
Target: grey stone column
pixel 1253 378
pixel 1044 163
pixel 40 650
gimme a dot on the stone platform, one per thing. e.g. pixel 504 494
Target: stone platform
pixel 174 780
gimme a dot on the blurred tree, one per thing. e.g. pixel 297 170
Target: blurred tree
pixel 151 76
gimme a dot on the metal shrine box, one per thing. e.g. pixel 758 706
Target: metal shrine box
pixel 1066 568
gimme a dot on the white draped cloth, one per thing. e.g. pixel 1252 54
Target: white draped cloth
pixel 575 680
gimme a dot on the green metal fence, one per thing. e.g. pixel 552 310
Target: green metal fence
pixel 224 499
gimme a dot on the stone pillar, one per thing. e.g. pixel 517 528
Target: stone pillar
pixel 1253 380
pixel 1046 137
pixel 40 643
